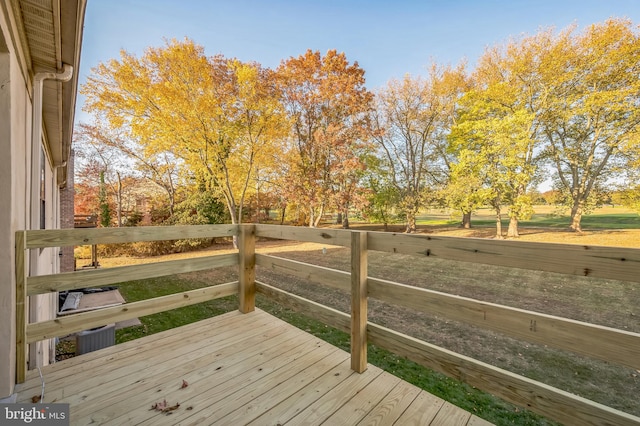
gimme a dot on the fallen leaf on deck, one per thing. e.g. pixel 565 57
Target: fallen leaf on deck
pixel 159 406
pixel 35 398
pixel 164 407
pixel 173 407
pixel 184 384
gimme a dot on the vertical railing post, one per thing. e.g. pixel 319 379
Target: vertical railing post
pixel 358 301
pixel 21 307
pixel 247 267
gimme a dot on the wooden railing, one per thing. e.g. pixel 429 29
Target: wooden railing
pixel 603 343
pixel 27 333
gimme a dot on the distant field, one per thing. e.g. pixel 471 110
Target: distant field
pixel 545 216
pixel 608 226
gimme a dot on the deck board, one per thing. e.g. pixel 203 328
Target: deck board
pixel 240 369
pixel 392 406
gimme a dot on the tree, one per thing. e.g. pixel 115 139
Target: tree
pixel 550 197
pixel 161 168
pixel 105 210
pixel 498 142
pixel 86 184
pixel 591 116
pixel 500 122
pixel 410 127
pixel 630 197
pixel 327 103
pixel 572 98
pixel 256 125
pixel 382 196
pixel 466 189
pixel 220 117
pixel 98 144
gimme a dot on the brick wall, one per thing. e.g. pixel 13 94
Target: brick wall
pixel 67 262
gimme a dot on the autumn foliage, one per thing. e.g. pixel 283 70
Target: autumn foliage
pixel 309 138
pixel 327 102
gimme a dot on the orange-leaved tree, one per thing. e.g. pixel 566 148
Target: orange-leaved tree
pixel 327 101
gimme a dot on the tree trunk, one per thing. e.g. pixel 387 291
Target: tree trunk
pixel 284 211
pixel 345 220
pixel 411 223
pixel 172 202
pixel 318 218
pixel 498 224
pixel 311 217
pixel 576 215
pixel 119 200
pixel 466 220
pixel 232 211
pixel 513 228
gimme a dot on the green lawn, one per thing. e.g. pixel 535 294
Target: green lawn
pixel 544 216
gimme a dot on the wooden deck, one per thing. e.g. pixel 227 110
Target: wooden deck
pixel 237 369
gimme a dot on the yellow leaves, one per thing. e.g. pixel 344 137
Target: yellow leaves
pixel 571 95
pixel 217 115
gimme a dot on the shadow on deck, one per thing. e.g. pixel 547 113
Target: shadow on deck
pixel 239 369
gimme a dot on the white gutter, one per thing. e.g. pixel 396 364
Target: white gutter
pixel 36 138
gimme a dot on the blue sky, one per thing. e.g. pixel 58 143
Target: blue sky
pixel 387 38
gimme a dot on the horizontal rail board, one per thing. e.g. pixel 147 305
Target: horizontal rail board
pixel 87 236
pixel 322 313
pixel 551 402
pixel 605 343
pixel 317 274
pixel 73 323
pixel 334 237
pixel 615 263
pixel 104 277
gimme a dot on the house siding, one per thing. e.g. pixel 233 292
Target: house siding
pixel 15 189
pixel 15 117
pixel 9 220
